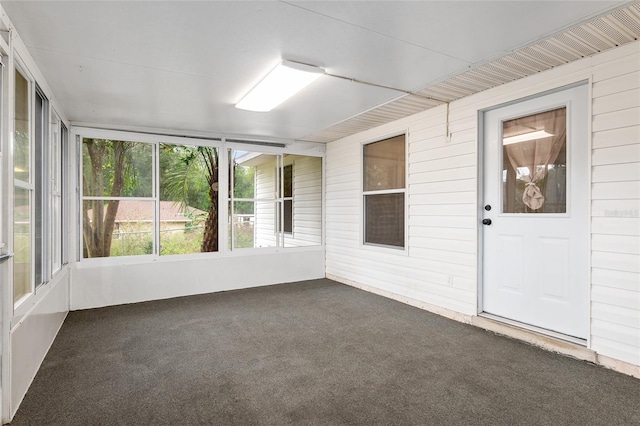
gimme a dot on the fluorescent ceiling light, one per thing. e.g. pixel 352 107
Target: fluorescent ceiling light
pixel 280 84
pixel 538 134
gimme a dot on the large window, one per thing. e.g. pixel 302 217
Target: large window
pixel 38 171
pixel 146 198
pixel 23 189
pixel 384 192
pixel 162 198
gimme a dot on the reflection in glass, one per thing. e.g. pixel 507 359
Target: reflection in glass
pixel 275 193
pixel 21 243
pixel 534 171
pixel 21 156
pixel 302 209
pixel 384 164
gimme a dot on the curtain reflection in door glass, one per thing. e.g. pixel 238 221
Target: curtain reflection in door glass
pixel 534 173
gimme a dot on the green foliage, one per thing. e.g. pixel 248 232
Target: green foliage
pixel 183 176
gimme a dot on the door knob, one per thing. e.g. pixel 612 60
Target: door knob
pixel 486 221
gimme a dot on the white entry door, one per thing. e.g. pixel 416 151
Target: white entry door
pixel 535 212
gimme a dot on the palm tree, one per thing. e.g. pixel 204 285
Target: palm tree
pixel 182 181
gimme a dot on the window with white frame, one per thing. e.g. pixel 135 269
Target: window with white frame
pixel 42 210
pixel 118 204
pixel 23 188
pixel 276 200
pixel 384 171
pixel 254 199
pixel 38 171
pixel 57 168
pixel 148 198
pixel 188 206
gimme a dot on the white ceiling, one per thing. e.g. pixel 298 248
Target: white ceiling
pixel 181 66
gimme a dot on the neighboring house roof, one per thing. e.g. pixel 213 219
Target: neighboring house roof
pixel 141 211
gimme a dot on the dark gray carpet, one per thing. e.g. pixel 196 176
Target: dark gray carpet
pixel 313 352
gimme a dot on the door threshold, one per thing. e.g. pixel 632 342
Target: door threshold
pixel 546 339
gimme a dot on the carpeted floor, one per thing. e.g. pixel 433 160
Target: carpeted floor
pixel 309 353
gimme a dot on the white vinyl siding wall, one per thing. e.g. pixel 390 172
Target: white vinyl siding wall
pixel 615 207
pixel 307 202
pixel 440 269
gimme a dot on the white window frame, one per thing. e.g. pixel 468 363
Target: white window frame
pixel 80 133
pixel 30 185
pixel 364 194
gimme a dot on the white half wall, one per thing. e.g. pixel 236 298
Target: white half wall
pixel 96 285
pixel 33 335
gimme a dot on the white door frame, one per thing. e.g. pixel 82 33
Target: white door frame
pixel 481 212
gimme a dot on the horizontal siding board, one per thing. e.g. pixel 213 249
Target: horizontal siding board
pixel 449 162
pixel 420 173
pixel 629 299
pixel 446 221
pixel 616 102
pixel 442 209
pixel 439 244
pixel 615 225
pixel 615 208
pixel 617 84
pixel 616 332
pixel 616 120
pixel 452 186
pixel 616 68
pixel 447 151
pixel 615 279
pixel 625 154
pixel 623 244
pixel 437 233
pixel 618 261
pixel 616 190
pixel 616 173
pixel 622 351
pixel 617 137
pixel 467 197
pixel 616 315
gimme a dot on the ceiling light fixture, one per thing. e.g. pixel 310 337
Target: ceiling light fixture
pixel 538 134
pixel 280 84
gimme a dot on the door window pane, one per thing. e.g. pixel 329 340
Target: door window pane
pixel 534 173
